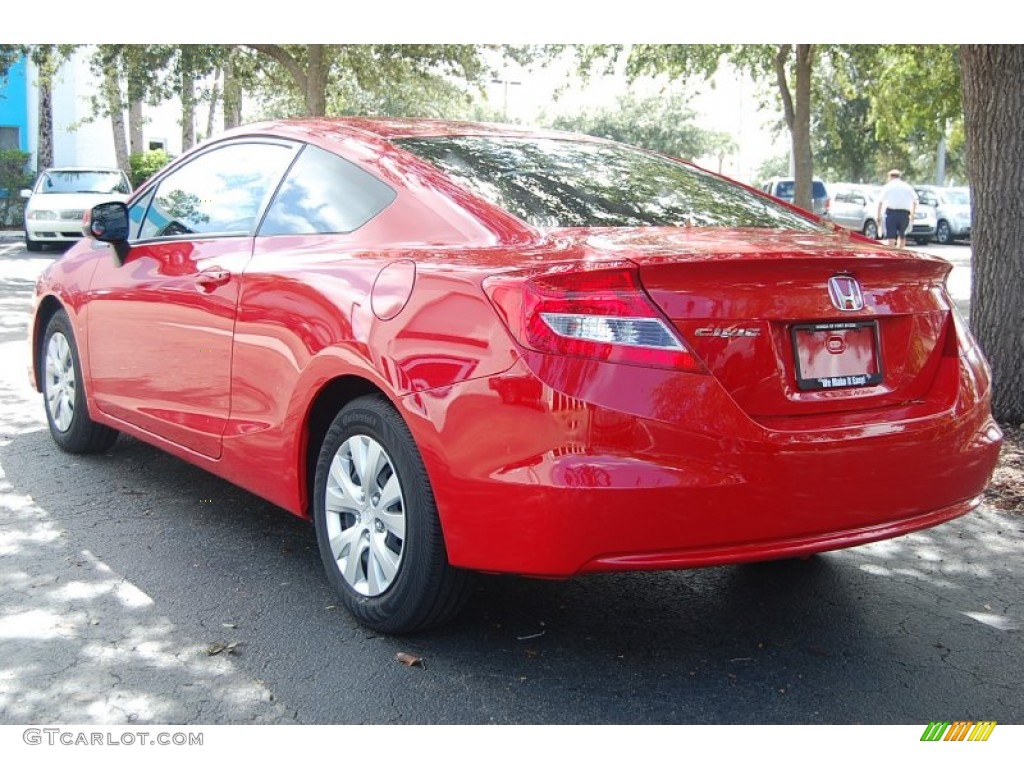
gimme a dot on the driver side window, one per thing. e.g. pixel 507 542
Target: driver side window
pixel 219 193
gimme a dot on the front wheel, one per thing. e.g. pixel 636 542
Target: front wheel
pixel 64 393
pixel 377 526
pixel 943 233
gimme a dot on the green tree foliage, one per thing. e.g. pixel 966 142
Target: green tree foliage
pixel 790 66
pixel 842 123
pixel 926 80
pixel 663 123
pixel 773 166
pixel 882 106
pixel 915 91
pixel 13 178
pixel 370 69
pixel 9 56
pixel 145 164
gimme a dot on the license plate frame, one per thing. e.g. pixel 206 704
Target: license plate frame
pixel 837 355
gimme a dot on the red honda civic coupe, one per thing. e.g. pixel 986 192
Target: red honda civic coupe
pixel 461 347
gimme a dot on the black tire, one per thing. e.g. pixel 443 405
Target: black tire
pixel 870 229
pixel 943 233
pixel 388 562
pixel 921 240
pixel 67 411
pixel 32 245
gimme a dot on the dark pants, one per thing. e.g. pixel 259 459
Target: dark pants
pixel 896 222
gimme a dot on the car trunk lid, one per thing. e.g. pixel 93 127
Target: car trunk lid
pixel 797 324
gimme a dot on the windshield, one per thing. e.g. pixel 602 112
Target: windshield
pixel 569 183
pixel 98 182
pixel 785 190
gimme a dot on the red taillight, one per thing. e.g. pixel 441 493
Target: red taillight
pixel 595 311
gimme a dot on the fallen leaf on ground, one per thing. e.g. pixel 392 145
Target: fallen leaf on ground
pixel 408 659
pixel 216 648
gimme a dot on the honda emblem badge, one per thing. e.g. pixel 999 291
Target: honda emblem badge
pixel 845 293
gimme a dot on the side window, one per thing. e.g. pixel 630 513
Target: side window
pixel 324 193
pixel 220 192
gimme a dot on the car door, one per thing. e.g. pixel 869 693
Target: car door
pixel 160 325
pixel 858 211
pixel 841 209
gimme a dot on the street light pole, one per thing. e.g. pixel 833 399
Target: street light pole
pixel 505 82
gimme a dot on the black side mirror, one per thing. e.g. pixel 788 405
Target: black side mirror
pixel 108 223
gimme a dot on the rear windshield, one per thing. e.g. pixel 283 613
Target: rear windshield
pixel 569 183
pixel 784 190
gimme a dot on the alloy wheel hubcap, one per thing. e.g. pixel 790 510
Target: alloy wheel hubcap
pixel 60 382
pixel 365 515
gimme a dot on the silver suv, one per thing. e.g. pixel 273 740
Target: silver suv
pixel 855 206
pixel 952 211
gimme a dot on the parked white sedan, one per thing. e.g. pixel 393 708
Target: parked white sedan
pixel 61 196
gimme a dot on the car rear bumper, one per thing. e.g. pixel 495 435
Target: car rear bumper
pixel 540 483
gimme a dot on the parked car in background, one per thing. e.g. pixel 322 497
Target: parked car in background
pixel 61 196
pixel 783 189
pixel 922 228
pixel 463 347
pixel 952 211
pixel 855 207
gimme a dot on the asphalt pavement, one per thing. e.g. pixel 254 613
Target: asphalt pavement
pixel 79 643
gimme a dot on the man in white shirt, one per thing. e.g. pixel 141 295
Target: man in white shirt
pixel 900 202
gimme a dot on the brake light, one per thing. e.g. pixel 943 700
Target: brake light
pixel 599 312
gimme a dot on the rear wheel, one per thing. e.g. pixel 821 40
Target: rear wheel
pixel 64 393
pixel 943 233
pixel 871 229
pixel 377 527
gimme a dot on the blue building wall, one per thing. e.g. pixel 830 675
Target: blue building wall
pixel 14 102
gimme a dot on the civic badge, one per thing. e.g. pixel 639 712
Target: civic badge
pixel 845 293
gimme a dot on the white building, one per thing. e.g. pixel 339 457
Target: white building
pixel 80 135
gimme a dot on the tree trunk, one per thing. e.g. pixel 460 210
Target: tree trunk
pixel 798 118
pixel 214 97
pixel 115 105
pixel 188 109
pixel 311 81
pixel 232 97
pixel 993 91
pixel 135 122
pixel 44 139
pixel 803 160
pixel 316 80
